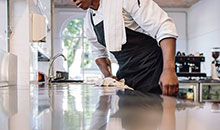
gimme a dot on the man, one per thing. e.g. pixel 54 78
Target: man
pixel 142 38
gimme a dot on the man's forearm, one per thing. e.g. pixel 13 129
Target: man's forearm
pixel 168 79
pixel 104 65
pixel 168 48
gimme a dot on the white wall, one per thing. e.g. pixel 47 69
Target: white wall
pixel 204 29
pixel 3 25
pixel 19 42
pixel 179 17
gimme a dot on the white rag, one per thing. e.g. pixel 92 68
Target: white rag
pixel 114 27
pixel 110 82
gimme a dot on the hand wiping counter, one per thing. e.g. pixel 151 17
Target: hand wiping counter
pixel 110 82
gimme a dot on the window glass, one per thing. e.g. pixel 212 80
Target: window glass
pixel 76 48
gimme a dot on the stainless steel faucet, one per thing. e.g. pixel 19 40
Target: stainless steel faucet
pixel 50 75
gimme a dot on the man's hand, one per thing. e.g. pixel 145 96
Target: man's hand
pixel 169 83
pixel 168 79
pixel 114 77
pixel 104 65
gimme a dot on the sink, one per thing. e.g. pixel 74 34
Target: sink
pixel 67 81
pixel 70 82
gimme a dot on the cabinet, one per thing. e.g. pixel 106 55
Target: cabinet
pixel 200 91
pixel 210 92
pixel 189 91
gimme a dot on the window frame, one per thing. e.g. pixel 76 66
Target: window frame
pixel 78 15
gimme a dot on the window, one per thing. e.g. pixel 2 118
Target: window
pixel 76 48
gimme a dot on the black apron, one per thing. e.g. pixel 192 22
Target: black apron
pixel 140 60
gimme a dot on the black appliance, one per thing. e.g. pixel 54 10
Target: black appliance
pixel 189 66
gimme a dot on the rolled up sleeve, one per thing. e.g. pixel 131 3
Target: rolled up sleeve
pixel 151 18
pixel 98 50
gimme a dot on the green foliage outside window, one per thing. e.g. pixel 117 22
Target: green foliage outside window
pixel 74 39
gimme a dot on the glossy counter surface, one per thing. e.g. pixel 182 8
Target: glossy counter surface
pixel 86 107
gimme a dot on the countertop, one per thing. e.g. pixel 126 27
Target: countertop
pixel 199 81
pixel 86 107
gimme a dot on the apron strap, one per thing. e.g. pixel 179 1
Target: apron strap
pixel 92 19
pixel 139 3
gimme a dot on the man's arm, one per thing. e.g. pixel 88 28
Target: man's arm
pixel 99 51
pixel 104 65
pixel 150 17
pixel 168 80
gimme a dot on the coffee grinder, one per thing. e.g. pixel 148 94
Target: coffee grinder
pixel 215 66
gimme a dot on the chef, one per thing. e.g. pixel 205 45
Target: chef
pixel 142 38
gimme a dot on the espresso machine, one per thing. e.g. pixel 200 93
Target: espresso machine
pixel 215 66
pixel 189 66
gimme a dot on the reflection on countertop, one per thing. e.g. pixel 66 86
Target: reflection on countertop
pixel 86 107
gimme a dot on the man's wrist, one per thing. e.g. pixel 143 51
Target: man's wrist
pixel 108 75
pixel 169 68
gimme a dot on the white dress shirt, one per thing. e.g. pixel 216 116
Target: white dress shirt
pixel 147 18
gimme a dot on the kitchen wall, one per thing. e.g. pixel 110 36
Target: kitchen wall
pixel 198 28
pixel 179 17
pixel 20 46
pixel 19 42
pixel 204 29
pixel 3 25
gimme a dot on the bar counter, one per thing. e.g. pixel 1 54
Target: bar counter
pixel 87 107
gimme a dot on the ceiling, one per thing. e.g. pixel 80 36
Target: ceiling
pixel 176 3
pixel 162 3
